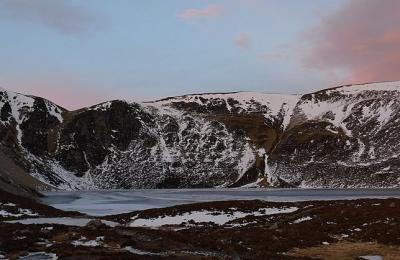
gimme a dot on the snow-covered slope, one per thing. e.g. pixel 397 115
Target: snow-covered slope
pixel 24 125
pixel 340 137
pixel 344 136
pixel 237 102
pixel 17 108
pixel 271 105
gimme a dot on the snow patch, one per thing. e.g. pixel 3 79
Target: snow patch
pixel 246 162
pixel 83 241
pixel 303 219
pixel 139 252
pixel 371 257
pixel 21 212
pixel 219 218
pixel 381 86
pixel 247 100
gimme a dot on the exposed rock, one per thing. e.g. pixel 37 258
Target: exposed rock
pixel 95 224
pixel 340 137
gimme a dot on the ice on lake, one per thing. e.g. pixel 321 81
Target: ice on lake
pixel 78 222
pixel 100 203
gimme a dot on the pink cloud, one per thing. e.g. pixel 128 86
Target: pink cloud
pixel 242 41
pixel 59 15
pixel 362 37
pixel 209 11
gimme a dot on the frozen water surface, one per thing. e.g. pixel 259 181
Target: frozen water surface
pixel 40 256
pixel 78 222
pixel 100 203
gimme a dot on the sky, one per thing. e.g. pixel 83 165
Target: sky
pixel 78 53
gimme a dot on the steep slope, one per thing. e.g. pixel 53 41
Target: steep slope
pixel 340 137
pixel 159 144
pixel 23 123
pixel 16 181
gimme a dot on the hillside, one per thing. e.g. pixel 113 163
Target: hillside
pixel 339 137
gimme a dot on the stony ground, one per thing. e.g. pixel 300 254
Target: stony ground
pixel 240 230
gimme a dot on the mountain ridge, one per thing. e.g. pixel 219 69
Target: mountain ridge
pixel 395 82
pixel 208 140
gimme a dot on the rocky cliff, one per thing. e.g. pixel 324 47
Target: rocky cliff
pixel 339 137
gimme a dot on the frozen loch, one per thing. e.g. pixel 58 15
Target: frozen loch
pixel 100 203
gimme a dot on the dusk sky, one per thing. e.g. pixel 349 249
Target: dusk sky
pixel 81 52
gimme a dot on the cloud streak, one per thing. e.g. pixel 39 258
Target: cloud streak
pixel 242 41
pixel 61 15
pixel 208 11
pixel 363 37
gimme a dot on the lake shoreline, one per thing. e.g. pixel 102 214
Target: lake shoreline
pixel 110 202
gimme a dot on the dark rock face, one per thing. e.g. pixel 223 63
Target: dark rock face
pixel 342 137
pixel 86 138
pixel 5 112
pixel 37 129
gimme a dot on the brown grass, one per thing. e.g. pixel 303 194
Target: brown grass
pixel 348 250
